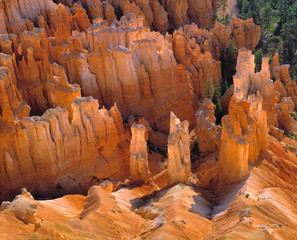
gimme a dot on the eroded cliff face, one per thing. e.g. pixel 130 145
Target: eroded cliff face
pixel 58 152
pixel 268 213
pixel 245 132
pixel 135 85
pixel 70 61
pixel 257 105
pixel 19 15
pixel 200 50
pixel 11 101
pixel 55 54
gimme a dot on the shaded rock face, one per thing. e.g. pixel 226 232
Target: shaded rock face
pixel 245 33
pixel 207 132
pixel 285 108
pixel 179 162
pixel 199 50
pixel 285 91
pixel 244 133
pixel 139 170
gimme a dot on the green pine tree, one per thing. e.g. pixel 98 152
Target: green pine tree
pixel 266 17
pixel 258 59
pixel 225 87
pixel 208 89
pixel 217 100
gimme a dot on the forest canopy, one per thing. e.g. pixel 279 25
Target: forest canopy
pixel 278 21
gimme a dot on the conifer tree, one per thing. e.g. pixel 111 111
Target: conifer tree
pixel 208 89
pixel 217 100
pixel 258 59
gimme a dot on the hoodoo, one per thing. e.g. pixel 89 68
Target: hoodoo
pixel 148 119
pixel 244 132
pixel 179 162
pixel 139 169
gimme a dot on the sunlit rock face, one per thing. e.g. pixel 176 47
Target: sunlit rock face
pixel 11 101
pixel 57 149
pixel 139 169
pixel 55 55
pixel 245 132
pixel 179 162
pixel 77 80
pixel 258 104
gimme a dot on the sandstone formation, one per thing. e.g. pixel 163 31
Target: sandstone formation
pixel 55 52
pixel 256 97
pixel 139 169
pixel 23 207
pixel 62 150
pixel 244 133
pixel 179 162
pixel 207 132
pixel 11 102
pixel 245 33
pixel 142 213
pixel 283 85
pixel 160 15
pixel 200 50
pixel 141 59
pixel 285 108
pixel 80 55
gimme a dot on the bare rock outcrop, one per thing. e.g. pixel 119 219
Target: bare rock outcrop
pixel 202 12
pixel 285 108
pixel 283 85
pixel 134 84
pixel 139 169
pixel 245 128
pixel 199 50
pixel 207 132
pixel 53 56
pixel 179 162
pixel 11 101
pixel 23 207
pixel 245 33
pixel 59 149
pixel 21 16
pixel 257 104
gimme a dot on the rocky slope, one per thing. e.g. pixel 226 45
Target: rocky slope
pixel 99 98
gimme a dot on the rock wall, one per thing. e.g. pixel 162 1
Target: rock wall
pixel 11 101
pixel 207 132
pixel 257 106
pixel 179 162
pixel 53 53
pixel 139 169
pixel 245 131
pixel 58 153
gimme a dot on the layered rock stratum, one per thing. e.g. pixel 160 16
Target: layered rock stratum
pixel 106 131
